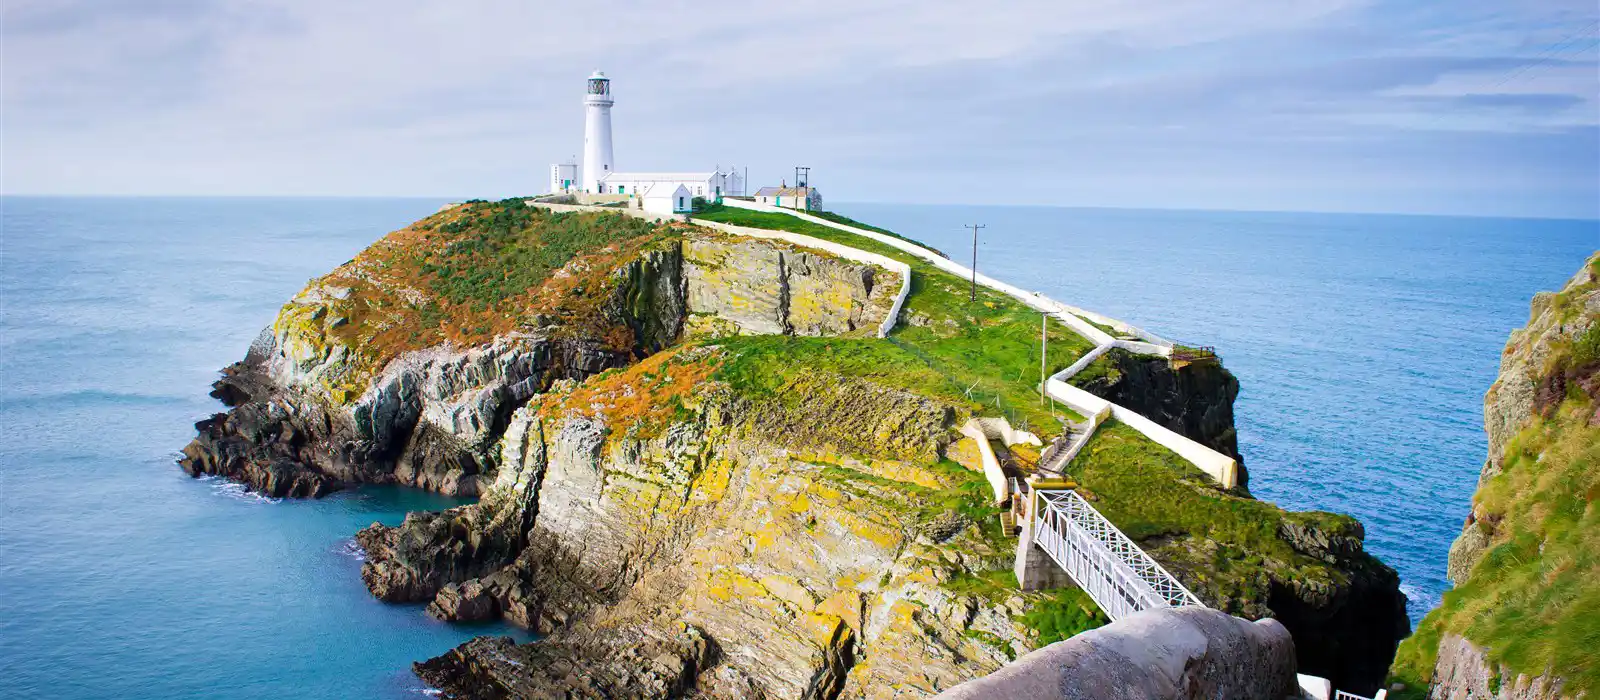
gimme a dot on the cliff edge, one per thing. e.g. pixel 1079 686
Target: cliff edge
pixel 1523 620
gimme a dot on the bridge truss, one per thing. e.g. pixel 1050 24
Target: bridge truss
pixel 1119 576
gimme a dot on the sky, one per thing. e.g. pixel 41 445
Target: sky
pixel 1470 107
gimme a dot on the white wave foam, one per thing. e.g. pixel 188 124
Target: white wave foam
pixel 350 548
pixel 1418 598
pixel 235 490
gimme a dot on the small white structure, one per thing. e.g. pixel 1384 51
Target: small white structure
pixel 564 178
pixel 804 198
pixel 667 198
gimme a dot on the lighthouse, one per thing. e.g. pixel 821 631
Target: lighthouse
pixel 597 163
pixel 599 174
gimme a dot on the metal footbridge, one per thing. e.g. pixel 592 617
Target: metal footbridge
pixel 1102 561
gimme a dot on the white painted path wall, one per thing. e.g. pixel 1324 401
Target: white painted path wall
pixel 840 250
pixel 837 249
pixel 1222 468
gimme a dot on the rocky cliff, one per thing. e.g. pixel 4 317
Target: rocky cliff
pixel 700 475
pixel 392 369
pixel 1524 616
pixel 1194 399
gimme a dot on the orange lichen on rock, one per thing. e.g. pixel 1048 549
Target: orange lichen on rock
pixel 474 272
pixel 643 397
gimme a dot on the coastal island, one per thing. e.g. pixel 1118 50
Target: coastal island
pixel 752 452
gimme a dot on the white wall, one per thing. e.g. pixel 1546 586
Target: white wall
pixel 842 251
pixel 991 464
pixel 697 188
pixel 1219 466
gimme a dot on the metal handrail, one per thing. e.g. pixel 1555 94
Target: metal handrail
pixel 1120 577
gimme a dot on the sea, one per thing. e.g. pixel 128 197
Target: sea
pixel 1363 344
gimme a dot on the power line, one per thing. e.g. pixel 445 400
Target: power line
pixel 1547 55
pixel 1541 60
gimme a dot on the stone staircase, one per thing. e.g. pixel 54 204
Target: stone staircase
pixel 1053 461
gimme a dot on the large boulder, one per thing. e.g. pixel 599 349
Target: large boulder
pixel 1171 654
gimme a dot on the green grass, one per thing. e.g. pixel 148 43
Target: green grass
pixel 1063 613
pixel 1103 370
pixel 967 495
pixel 763 366
pixel 1533 600
pixel 1150 492
pixel 842 219
pixel 1052 615
pixel 507 249
pixel 990 346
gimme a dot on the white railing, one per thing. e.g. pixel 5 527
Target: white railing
pixel 1341 695
pixel 1119 576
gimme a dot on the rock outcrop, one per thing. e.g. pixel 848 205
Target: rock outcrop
pixel 1529 386
pixel 313 411
pixel 1175 654
pixel 809 559
pixel 1464 672
pixel 1519 623
pixel 1193 399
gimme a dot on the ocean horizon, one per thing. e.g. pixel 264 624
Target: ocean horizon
pixel 1363 344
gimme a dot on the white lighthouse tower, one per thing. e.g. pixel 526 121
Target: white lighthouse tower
pixel 597 163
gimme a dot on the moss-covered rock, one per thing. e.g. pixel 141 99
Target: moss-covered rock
pixel 1524 617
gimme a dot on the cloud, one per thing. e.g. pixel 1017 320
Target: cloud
pixel 1017 100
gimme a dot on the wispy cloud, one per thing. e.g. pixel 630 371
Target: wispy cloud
pixel 1324 104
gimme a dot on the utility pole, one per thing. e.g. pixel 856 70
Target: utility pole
pixel 1044 336
pixel 975 227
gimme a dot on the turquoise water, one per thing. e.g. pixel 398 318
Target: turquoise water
pixel 1364 345
pixel 120 577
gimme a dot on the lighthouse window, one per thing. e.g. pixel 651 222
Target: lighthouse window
pixel 597 87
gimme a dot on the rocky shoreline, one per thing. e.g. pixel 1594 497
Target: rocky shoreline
pixel 673 525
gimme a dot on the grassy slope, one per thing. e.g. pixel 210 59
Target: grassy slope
pixel 991 346
pixel 944 345
pixel 1153 495
pixel 470 273
pixel 1533 600
pixel 1141 486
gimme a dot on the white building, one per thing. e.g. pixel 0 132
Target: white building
pixel 710 184
pixel 667 198
pixel 564 178
pixel 598 172
pixel 807 198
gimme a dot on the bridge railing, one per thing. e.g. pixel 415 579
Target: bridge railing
pixel 1119 576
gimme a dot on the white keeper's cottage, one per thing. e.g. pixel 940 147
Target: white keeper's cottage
pixel 804 198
